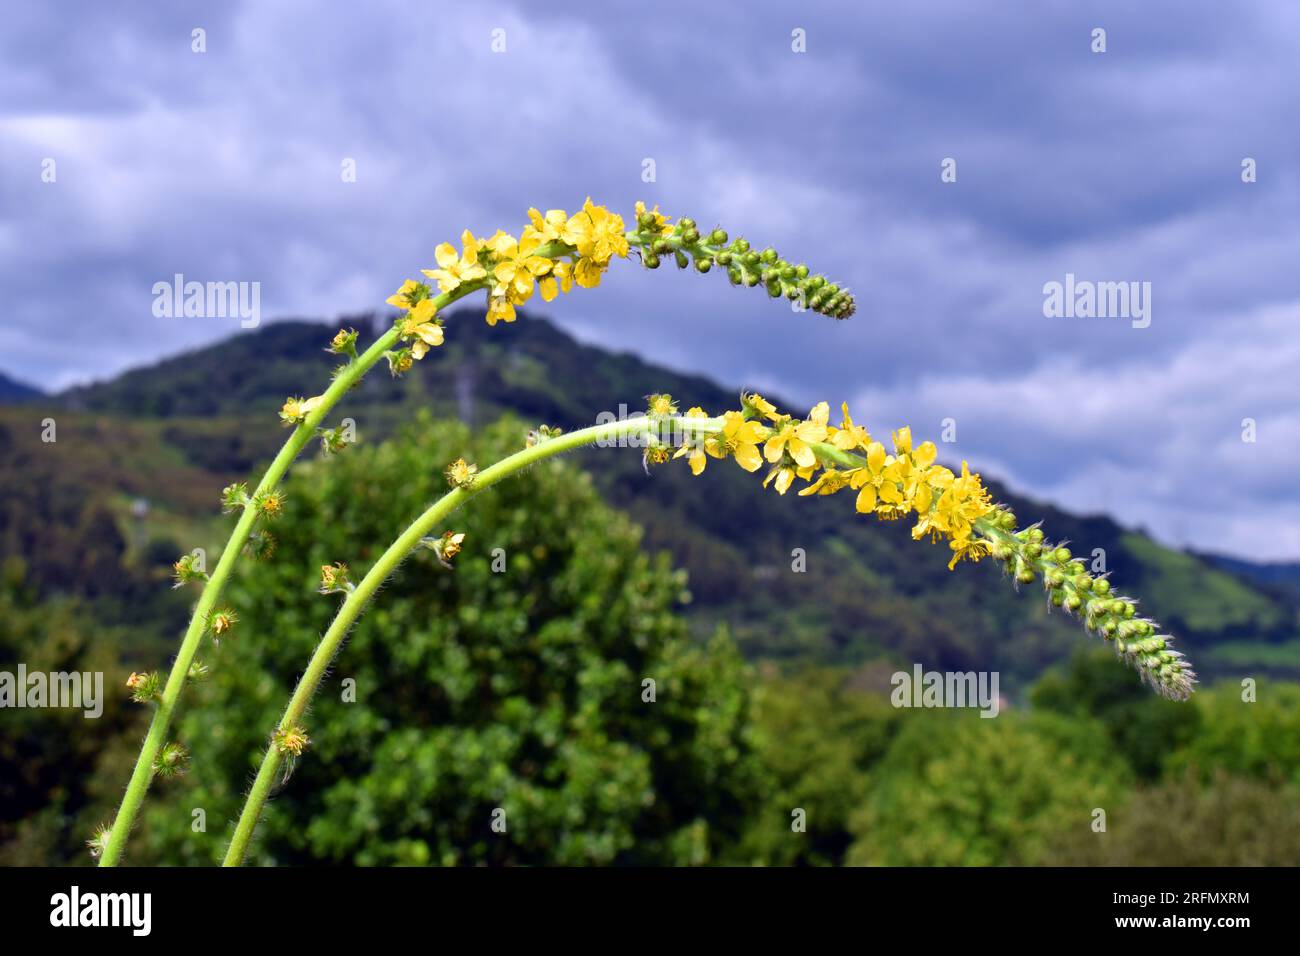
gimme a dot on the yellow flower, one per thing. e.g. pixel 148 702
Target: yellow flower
pixel 454 270
pixel 761 405
pixel 559 280
pixel 963 501
pixel 878 480
pixel 295 410
pixel 597 233
pixel 694 447
pixel 222 621
pixel 517 267
pixel 500 310
pixel 784 475
pixel 549 228
pixel 587 273
pixel 829 482
pixel 849 436
pixel 410 293
pixel 967 547
pixel 795 436
pixel 660 405
pixel 740 437
pixel 292 741
pixel 461 474
pixel 449 544
pixel 659 222
pixel 425 333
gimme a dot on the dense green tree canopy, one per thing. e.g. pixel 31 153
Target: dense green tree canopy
pixel 517 694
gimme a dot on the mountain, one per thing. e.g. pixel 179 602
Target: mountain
pixel 13 391
pixel 171 435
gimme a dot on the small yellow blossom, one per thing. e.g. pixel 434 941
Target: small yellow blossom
pixel 784 475
pixel 877 481
pixel 408 295
pixel 587 273
pixel 460 473
pixel 517 267
pixel 425 333
pixel 597 233
pixel 453 270
pixel 451 543
pixel 760 405
pixel 500 309
pixel 827 483
pixel 221 622
pixel 849 437
pixel 796 436
pixel 549 228
pixel 295 410
pixel 291 742
pixel 693 449
pixel 559 280
pixel 739 438
pixel 658 221
pixel 660 405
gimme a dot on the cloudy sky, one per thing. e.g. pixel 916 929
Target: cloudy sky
pixel 1117 166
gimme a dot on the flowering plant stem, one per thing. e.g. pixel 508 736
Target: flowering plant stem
pixel 143 773
pixel 397 552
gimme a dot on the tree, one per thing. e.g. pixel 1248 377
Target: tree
pixel 959 790
pixel 501 712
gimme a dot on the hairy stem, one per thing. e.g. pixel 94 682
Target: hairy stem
pixel 142 775
pixel 388 562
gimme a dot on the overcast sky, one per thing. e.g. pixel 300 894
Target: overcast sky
pixel 1116 166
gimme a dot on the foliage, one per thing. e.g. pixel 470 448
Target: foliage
pixel 475 690
pixel 1257 738
pixel 49 756
pixel 1144 729
pixel 966 791
pixel 1184 821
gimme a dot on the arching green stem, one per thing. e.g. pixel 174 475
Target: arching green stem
pixel 397 552
pixel 142 775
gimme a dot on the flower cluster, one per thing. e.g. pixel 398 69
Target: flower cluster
pixel 556 251
pixel 951 507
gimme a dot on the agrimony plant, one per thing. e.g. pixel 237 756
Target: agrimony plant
pixel 552 254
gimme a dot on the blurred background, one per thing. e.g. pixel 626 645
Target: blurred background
pixel 945 160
